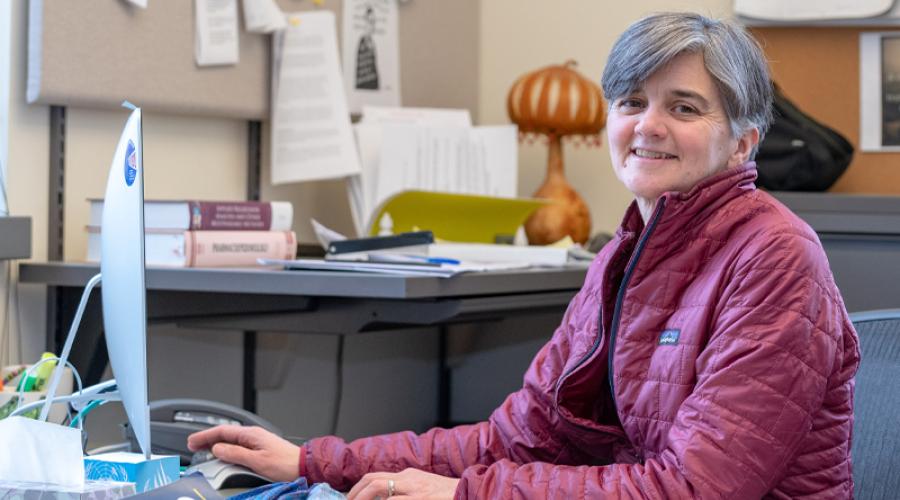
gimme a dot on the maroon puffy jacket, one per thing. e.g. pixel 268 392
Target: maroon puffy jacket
pixel 733 359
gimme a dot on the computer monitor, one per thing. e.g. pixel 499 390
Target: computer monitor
pixel 122 269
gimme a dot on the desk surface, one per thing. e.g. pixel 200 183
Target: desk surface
pixel 320 283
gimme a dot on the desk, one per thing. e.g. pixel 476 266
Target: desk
pixel 318 302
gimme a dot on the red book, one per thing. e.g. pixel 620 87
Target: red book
pixel 195 215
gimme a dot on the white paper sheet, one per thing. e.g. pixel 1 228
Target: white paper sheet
pixel 371 53
pixel 40 452
pixel 311 135
pixel 263 16
pixel 138 3
pixel 879 74
pixel 431 116
pixel 466 160
pixel 216 32
pixel 441 271
pixel 361 189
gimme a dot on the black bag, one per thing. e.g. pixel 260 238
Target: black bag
pixel 799 153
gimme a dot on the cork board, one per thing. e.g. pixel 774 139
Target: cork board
pixel 818 69
pixel 96 53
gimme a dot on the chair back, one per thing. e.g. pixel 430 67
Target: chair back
pixel 876 424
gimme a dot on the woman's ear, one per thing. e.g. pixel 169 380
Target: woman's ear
pixel 744 147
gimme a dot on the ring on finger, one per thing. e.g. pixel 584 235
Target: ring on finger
pixel 390 490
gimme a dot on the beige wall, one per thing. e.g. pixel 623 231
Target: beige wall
pixel 518 36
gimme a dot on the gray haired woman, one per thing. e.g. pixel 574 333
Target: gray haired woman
pixel 708 354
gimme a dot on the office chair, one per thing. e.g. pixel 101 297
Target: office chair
pixel 876 425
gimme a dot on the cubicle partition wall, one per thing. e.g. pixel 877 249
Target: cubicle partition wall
pixel 861 235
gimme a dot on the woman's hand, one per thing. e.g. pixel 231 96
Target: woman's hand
pixel 253 447
pixel 411 484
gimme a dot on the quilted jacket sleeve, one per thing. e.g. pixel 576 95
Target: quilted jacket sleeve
pixel 775 350
pixel 520 430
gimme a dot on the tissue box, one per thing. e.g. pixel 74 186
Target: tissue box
pixel 146 475
pixel 92 490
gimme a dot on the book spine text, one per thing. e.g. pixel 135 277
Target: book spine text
pixel 237 216
pixel 237 248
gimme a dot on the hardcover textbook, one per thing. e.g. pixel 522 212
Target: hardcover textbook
pixel 207 248
pixel 196 215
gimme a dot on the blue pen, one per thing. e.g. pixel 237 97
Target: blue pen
pixel 443 260
pixel 411 259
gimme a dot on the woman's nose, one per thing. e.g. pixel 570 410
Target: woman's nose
pixel 651 124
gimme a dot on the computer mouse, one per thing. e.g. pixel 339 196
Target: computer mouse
pixel 225 475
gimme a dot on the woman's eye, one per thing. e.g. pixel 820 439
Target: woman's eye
pixel 684 109
pixel 630 103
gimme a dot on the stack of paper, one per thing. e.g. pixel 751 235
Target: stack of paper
pixel 435 270
pixel 429 150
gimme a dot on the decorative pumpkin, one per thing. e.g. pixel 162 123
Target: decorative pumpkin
pixel 557 101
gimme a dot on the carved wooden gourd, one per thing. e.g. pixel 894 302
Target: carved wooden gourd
pixel 557 101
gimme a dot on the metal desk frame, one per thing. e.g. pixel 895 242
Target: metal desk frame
pixel 333 303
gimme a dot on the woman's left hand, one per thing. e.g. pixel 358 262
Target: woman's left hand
pixel 411 484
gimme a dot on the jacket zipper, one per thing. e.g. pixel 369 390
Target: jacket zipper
pixel 615 315
pixel 620 297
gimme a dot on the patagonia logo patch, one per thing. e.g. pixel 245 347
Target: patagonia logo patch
pixel 669 336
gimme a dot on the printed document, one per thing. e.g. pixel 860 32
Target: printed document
pixel 464 160
pixel 363 189
pixel 371 54
pixel 263 16
pixel 216 35
pixel 311 135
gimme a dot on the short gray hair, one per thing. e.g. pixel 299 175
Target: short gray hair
pixel 732 57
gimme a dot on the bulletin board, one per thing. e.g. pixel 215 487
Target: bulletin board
pixel 97 53
pixel 818 69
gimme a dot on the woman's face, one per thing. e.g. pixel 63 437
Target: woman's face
pixel 673 132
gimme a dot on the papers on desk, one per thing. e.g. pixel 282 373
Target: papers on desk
pixel 216 32
pixel 311 135
pixel 418 254
pixel 424 269
pixel 429 150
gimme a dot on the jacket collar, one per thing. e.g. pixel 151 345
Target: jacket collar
pixel 700 202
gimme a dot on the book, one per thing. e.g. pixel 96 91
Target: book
pixel 175 248
pixel 199 215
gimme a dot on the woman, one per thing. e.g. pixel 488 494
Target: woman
pixel 731 353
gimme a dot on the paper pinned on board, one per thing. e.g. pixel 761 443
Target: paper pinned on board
pixel 263 16
pixel 371 55
pixel 216 32
pixel 311 135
